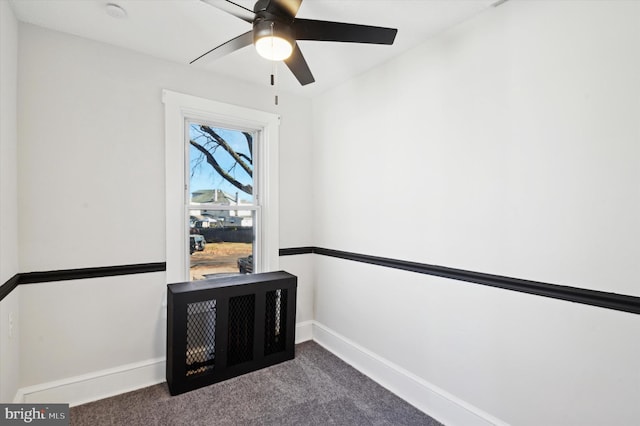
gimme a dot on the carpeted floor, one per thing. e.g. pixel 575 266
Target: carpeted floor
pixel 316 388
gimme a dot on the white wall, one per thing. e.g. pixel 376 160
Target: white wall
pixel 514 141
pixel 76 327
pixel 8 143
pixel 302 266
pixel 9 307
pixel 10 346
pixel 91 173
pixel 517 131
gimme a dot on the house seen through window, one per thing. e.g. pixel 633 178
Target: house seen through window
pixel 223 210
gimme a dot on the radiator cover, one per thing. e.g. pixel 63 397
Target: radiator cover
pixel 224 327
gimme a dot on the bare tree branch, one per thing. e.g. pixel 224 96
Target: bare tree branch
pixel 211 160
pixel 245 157
pixel 222 143
pixel 198 161
pixel 249 144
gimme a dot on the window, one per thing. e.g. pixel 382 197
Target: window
pixel 203 201
pixel 224 210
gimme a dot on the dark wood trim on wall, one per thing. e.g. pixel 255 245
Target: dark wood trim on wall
pixel 8 287
pixel 296 250
pixel 99 272
pixel 619 302
pixel 77 274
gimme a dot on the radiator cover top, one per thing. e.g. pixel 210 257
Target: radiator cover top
pixel 224 327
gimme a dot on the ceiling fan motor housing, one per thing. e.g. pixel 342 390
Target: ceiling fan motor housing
pixel 281 8
pixel 272 20
pixel 272 27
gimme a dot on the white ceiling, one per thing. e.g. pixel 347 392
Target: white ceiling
pixel 181 30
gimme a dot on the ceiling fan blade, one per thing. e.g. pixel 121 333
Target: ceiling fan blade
pixel 309 29
pixel 230 46
pixel 277 7
pixel 298 66
pixel 233 9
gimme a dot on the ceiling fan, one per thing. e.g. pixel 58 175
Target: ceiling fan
pixel 276 31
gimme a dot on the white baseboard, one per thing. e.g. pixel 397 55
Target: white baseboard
pixel 97 385
pixel 304 331
pixel 423 395
pixel 430 399
pixel 114 381
pixel 19 397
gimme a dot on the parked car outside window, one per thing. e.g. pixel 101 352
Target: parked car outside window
pixel 198 241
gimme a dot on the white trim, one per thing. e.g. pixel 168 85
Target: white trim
pixel 113 381
pixel 425 396
pixel 96 385
pixel 178 108
pixel 304 331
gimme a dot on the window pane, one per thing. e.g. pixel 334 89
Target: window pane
pixel 221 242
pixel 220 165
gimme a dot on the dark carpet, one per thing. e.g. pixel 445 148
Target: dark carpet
pixel 316 388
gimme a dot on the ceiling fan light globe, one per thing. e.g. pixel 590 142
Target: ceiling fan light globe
pixel 274 48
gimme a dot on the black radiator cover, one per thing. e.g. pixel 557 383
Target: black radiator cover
pixel 224 327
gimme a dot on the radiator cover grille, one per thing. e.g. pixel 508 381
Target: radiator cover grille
pixel 275 321
pixel 200 352
pixel 241 329
pixel 223 327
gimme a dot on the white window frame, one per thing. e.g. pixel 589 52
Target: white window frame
pixel 181 108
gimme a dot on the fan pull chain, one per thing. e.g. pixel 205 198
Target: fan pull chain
pixel 274 71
